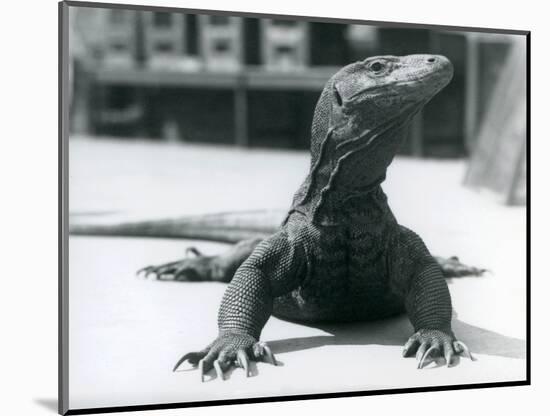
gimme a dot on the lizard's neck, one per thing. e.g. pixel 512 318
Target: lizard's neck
pixel 371 207
pixel 346 186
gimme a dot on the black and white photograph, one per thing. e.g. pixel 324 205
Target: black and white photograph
pixel 274 206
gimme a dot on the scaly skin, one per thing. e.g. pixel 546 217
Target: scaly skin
pixel 340 254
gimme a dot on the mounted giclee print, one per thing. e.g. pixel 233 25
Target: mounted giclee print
pixel 260 208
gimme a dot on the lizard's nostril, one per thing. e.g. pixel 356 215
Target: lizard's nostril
pixel 431 60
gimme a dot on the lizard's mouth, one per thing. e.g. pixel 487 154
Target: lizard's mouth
pixel 426 84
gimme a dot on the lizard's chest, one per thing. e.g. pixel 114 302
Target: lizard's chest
pixel 347 261
pixel 347 276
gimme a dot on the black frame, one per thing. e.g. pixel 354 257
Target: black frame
pixel 63 211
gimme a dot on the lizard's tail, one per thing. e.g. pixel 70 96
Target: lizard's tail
pixel 222 227
pixel 228 227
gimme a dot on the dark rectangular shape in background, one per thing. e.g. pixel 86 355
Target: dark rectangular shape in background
pixel 137 75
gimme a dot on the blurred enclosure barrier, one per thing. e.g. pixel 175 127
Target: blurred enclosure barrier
pixel 221 42
pixel 254 82
pixel 285 44
pixel 499 161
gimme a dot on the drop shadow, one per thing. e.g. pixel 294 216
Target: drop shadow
pixel 49 404
pixel 396 331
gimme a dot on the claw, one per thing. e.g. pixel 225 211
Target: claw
pixel 448 358
pixel 269 354
pixel 145 270
pixel 448 352
pixel 242 359
pixel 465 349
pixel 192 357
pixel 409 345
pixel 421 350
pixel 192 250
pixel 219 371
pixel 427 354
pixel 158 271
pixel 181 361
pixel 150 271
pixel 201 370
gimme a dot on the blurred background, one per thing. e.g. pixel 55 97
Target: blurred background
pixel 253 83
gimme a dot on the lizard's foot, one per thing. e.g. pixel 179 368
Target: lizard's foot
pixel 452 267
pixel 428 341
pixel 227 350
pixel 190 269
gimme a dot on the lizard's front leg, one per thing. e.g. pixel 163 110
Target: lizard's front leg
pixel 273 269
pixel 201 268
pixel 419 279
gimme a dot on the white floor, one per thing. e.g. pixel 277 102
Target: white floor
pixel 126 333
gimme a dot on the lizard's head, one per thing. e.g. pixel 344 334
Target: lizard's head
pixel 368 96
pixel 364 109
pixel 361 119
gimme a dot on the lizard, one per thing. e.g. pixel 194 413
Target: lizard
pixel 339 255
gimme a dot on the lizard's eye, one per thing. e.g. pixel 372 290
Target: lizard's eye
pixel 376 67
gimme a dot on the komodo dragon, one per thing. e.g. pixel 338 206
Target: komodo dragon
pixel 339 255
